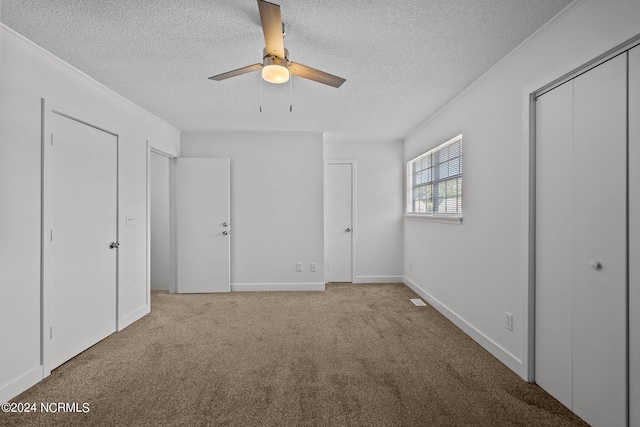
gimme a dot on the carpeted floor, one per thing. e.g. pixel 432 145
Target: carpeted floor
pixel 354 355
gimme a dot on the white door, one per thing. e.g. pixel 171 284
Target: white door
pixel 581 249
pixel 202 225
pixel 554 216
pixel 81 187
pixel 340 221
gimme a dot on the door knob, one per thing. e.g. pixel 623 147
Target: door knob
pixel 596 265
pixel 225 232
pixel 225 224
pixel 348 230
pixel 114 245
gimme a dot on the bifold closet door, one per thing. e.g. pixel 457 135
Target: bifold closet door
pixel 581 243
pixel 599 241
pixel 554 277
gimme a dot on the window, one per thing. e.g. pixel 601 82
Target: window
pixel 434 181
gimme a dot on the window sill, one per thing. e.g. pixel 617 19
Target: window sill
pixel 449 219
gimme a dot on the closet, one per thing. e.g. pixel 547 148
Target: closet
pixel 584 271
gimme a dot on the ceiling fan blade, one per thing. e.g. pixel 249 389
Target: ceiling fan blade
pixel 239 71
pixel 272 27
pixel 315 75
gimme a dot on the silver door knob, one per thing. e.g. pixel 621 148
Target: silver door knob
pixel 347 230
pixel 225 232
pixel 596 265
pixel 114 245
pixel 225 224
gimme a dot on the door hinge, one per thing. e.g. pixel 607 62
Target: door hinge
pixel 52 140
pixel 51 332
pixel 51 236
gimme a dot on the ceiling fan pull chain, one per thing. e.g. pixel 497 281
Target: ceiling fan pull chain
pixel 290 97
pixel 261 94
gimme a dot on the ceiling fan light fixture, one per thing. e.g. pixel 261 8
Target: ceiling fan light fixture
pixel 274 69
pixel 275 73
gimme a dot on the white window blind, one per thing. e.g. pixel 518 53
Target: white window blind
pixel 434 181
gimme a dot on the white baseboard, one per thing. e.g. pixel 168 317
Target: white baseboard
pixel 491 346
pixel 137 314
pixel 257 287
pixel 378 279
pixel 23 382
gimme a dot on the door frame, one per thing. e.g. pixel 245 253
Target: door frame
pixel 172 217
pixel 613 47
pixel 49 108
pixel 354 215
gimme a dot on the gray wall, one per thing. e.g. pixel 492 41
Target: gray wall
pixel 379 202
pixel 478 270
pixel 276 205
pixel 27 74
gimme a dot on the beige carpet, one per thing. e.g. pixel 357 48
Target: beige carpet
pixel 355 355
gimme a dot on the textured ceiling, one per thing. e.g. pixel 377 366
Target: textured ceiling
pixel 403 60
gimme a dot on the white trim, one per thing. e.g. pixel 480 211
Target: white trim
pixel 354 214
pixel 511 361
pixel 173 254
pixel 21 383
pixel 162 153
pixel 613 46
pixel 379 279
pixel 148 228
pixel 366 140
pixel 271 287
pixel 522 46
pixel 31 45
pixel 136 314
pixel 434 218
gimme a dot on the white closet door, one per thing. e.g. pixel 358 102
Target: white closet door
pixel 634 236
pixel 581 243
pixel 600 236
pixel 554 276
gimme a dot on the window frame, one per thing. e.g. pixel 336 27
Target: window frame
pixel 455 217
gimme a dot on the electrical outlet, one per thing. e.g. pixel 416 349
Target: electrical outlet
pixel 130 220
pixel 314 267
pixel 298 267
pixel 508 321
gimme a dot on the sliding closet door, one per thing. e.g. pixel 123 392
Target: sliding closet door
pixel 634 236
pixel 581 238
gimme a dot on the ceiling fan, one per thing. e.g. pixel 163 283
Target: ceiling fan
pixel 275 66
